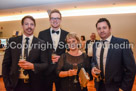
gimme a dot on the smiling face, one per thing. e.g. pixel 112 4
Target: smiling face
pixel 72 43
pixel 55 20
pixel 103 30
pixel 28 27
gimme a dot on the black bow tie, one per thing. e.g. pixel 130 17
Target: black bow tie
pixel 103 41
pixel 53 31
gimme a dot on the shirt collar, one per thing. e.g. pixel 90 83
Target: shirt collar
pixel 92 40
pixel 108 39
pixel 56 30
pixel 30 37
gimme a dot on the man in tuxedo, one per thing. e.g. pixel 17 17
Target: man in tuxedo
pixel 112 61
pixel 54 38
pixel 24 61
pixel 89 44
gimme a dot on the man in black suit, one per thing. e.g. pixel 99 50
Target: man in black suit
pixel 54 38
pixel 112 60
pixel 25 60
pixel 89 44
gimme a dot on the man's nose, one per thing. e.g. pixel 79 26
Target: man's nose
pixel 102 30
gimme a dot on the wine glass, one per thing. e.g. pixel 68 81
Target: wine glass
pixel 97 73
pixel 22 71
pixel 75 67
pixel 53 56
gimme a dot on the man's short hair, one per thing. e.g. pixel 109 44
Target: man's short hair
pixel 30 17
pixel 55 11
pixel 103 20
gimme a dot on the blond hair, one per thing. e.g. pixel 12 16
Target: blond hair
pixel 72 35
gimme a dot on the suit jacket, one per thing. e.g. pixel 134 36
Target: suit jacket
pixel 120 64
pixel 1 46
pixel 46 36
pixel 10 68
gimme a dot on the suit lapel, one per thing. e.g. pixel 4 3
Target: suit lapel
pixel 49 37
pixel 19 41
pixel 19 49
pixel 34 41
pixel 110 52
pixel 95 49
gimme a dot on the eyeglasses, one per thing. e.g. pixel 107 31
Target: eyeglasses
pixel 52 18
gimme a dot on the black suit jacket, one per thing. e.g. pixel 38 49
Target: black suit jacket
pixel 120 64
pixel 46 36
pixel 10 68
pixel 1 46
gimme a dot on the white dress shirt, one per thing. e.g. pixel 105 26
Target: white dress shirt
pixel 90 49
pixel 98 50
pixel 24 41
pixel 55 38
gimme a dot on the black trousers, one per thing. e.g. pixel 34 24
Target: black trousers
pixel 49 85
pixel 21 86
pixel 101 86
pixel 114 86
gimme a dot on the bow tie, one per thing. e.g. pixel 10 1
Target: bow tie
pixel 53 31
pixel 103 41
